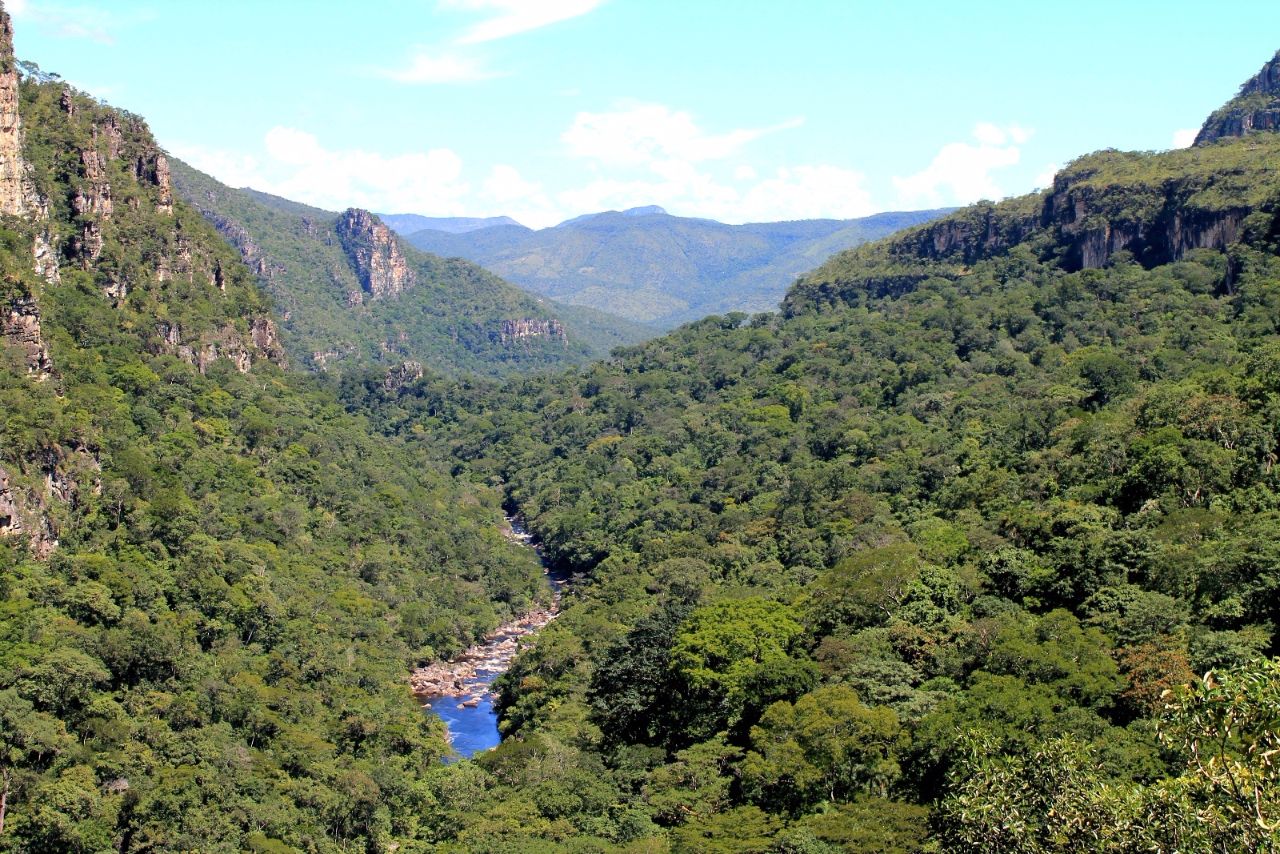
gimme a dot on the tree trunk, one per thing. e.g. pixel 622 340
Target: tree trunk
pixel 4 799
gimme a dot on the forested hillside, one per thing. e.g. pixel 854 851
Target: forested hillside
pixel 350 292
pixel 663 270
pixel 914 563
pixel 213 580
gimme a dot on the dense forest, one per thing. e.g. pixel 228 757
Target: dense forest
pixel 913 564
pixel 212 578
pixel 972 546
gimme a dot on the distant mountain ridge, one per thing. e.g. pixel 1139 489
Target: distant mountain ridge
pixel 648 266
pixel 351 292
pixel 409 223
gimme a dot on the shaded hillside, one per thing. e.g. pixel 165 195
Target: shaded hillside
pixel 932 560
pixel 350 292
pixel 659 269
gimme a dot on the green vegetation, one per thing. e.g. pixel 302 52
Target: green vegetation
pixel 215 656
pixel 449 320
pixel 959 519
pixel 971 548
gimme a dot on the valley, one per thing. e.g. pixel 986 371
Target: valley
pixel 921 533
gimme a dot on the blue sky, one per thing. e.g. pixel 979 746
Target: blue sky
pixel 738 110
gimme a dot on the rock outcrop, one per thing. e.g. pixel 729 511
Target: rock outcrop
pixel 375 253
pixel 1255 109
pixel 24 515
pixel 17 192
pixel 402 375
pixel 228 342
pixel 20 327
pixel 525 328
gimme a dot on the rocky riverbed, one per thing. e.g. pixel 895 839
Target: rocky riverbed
pixel 460 690
pixel 489 658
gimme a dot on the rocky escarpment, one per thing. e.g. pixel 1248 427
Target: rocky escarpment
pixel 17 191
pixel 1152 209
pixel 227 342
pixel 20 327
pixel 1094 222
pixel 521 329
pixel 375 253
pixel 402 376
pixel 1255 109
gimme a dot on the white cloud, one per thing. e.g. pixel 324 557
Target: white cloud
pixel 298 166
pixel 1045 178
pixel 962 171
pixel 512 17
pixel 643 132
pixel 73 22
pixel 1185 138
pixel 425 67
pixel 807 192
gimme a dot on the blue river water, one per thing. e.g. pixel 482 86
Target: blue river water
pixel 472 730
pixel 472 722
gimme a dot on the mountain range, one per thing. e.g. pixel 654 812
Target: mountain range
pixel 648 266
pixel 350 292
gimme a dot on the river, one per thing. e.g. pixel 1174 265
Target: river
pixel 460 691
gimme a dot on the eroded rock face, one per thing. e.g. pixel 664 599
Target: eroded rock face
pixel 16 189
pixel 24 515
pixel 10 511
pixel 266 338
pixel 524 328
pixel 263 342
pixel 1256 108
pixel 375 253
pixel 152 167
pixel 20 325
pixel 1083 217
pixel 402 375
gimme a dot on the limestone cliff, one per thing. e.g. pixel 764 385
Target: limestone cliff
pixel 1255 109
pixel 20 328
pixel 524 328
pixel 17 193
pixel 375 253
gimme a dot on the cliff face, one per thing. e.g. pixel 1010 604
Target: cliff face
pixel 375 253
pixel 1255 109
pixel 1153 209
pixel 167 283
pixel 525 328
pixel 17 194
pixel 21 329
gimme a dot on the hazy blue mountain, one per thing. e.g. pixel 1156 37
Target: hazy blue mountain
pixel 648 266
pixel 407 224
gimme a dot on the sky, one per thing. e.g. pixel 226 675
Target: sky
pixel 735 110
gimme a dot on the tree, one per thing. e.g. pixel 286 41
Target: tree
pixel 29 740
pixel 827 746
pixel 732 659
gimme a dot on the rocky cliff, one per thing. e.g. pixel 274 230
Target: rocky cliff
pixel 375 253
pixel 1255 109
pixel 1151 209
pixel 525 328
pixel 95 249
pixel 17 194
